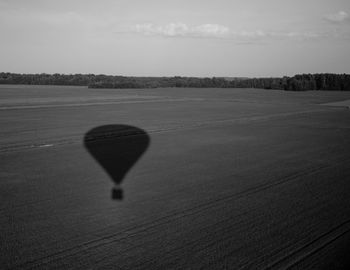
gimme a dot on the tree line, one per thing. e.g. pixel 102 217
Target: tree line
pixel 302 82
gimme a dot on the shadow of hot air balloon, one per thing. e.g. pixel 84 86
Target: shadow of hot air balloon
pixel 116 148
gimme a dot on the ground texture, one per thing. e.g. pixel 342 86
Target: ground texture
pixel 227 179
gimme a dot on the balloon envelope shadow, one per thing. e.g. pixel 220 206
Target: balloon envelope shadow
pixel 116 148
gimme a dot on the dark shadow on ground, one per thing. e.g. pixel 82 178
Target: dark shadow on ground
pixel 116 148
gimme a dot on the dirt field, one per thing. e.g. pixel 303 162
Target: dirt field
pixel 179 178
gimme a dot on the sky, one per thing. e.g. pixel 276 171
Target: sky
pixel 204 38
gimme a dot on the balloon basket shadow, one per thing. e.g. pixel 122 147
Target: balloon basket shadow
pixel 117 194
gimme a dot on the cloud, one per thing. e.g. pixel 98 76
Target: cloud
pixel 220 31
pixel 338 17
pixel 183 30
pixel 199 31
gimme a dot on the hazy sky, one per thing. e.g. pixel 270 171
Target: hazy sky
pixel 175 37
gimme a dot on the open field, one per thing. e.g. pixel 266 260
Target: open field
pixel 224 178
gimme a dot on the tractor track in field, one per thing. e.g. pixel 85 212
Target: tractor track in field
pixel 153 130
pixel 289 260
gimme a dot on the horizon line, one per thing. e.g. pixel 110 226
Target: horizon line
pixel 174 76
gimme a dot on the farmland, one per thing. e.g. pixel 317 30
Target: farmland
pixel 224 178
